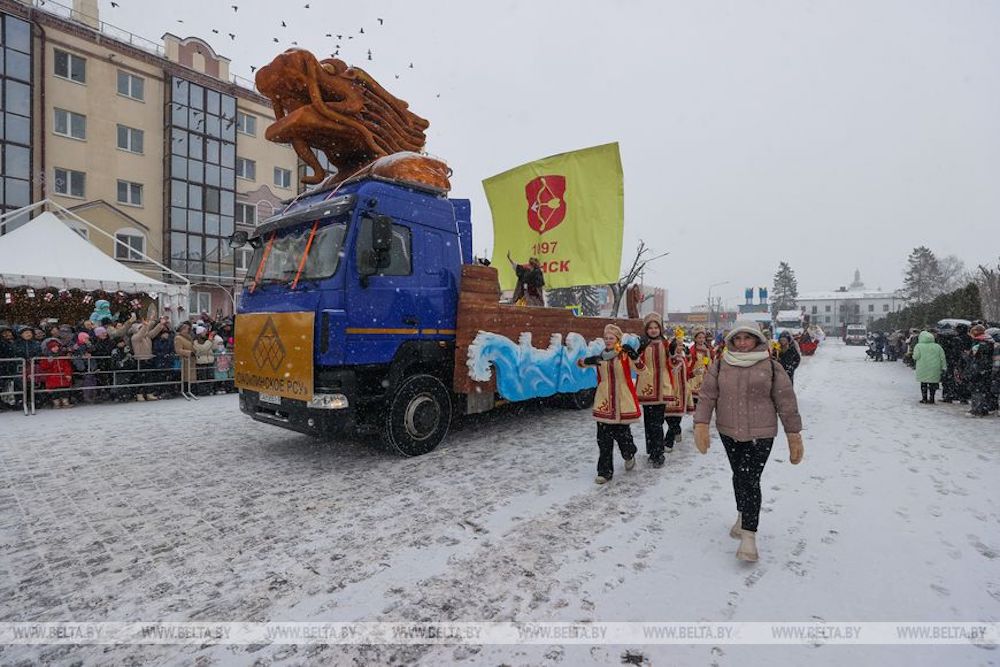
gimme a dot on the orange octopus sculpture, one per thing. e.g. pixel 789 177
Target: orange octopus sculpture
pixel 344 113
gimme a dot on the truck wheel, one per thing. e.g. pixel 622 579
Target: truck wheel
pixel 417 416
pixel 581 400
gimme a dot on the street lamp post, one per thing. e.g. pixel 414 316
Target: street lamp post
pixel 711 308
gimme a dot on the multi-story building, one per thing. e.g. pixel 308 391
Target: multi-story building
pixel 832 310
pixel 152 142
pixel 849 305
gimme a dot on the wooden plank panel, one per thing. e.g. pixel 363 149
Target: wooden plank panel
pixel 476 313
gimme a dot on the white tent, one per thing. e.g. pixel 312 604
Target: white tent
pixel 46 252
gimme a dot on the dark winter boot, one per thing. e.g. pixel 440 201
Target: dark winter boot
pixel 931 399
pixel 923 392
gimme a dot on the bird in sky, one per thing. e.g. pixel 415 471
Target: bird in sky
pixel 232 35
pixel 362 31
pixel 284 25
pixel 235 8
pixel 369 54
pixel 381 22
pixel 114 4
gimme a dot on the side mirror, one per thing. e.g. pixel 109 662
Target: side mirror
pixel 380 243
pixel 381 233
pixel 238 239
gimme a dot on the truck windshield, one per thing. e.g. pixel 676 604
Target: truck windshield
pixel 283 255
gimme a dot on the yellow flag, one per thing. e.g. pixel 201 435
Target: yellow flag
pixel 568 210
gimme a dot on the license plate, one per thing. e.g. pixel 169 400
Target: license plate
pixel 269 398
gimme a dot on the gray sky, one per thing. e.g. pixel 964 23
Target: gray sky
pixel 831 135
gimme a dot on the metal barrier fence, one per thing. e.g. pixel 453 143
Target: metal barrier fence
pixel 12 384
pixel 100 379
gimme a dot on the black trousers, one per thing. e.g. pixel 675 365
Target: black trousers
pixel 747 459
pixel 948 392
pixel 652 420
pixel 927 391
pixel 673 428
pixel 607 435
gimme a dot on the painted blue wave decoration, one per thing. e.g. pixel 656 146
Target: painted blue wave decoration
pixel 525 372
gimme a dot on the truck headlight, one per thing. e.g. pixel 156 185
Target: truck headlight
pixel 328 402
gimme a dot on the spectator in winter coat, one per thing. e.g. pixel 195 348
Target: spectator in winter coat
pixel 184 348
pixel 223 363
pixel 748 391
pixel 204 357
pixel 26 347
pixel 6 347
pixel 788 354
pixel 930 364
pixel 980 372
pixel 142 350
pixel 164 362
pixel 123 364
pixel 56 372
pixel 615 402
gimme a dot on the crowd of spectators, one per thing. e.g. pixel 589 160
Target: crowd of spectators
pixel 102 359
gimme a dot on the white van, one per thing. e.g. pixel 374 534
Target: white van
pixel 857 334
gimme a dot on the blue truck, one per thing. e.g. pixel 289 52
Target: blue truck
pixel 361 308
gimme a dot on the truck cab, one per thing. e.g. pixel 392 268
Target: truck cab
pixel 367 278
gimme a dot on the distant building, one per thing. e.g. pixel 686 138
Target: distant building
pixel 849 305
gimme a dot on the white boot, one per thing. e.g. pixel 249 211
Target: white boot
pixel 748 546
pixel 736 531
pixel 630 463
pixel 601 480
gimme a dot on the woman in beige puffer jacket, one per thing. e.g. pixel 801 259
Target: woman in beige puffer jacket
pixel 748 392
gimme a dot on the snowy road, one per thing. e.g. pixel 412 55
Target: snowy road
pixel 189 511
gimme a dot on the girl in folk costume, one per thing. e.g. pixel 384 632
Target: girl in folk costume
pixel 699 359
pixel 615 402
pixel 659 386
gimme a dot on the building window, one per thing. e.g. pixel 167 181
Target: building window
pixel 814 310
pixel 828 310
pixel 70 124
pixel 16 162
pixel 130 245
pixel 243 256
pixel 246 169
pixel 282 177
pixel 826 319
pixel 246 123
pixel 130 139
pixel 202 181
pixel 885 308
pixel 130 85
pixel 69 66
pixel 871 307
pixel 200 302
pixel 246 214
pixel 71 183
pixel 130 193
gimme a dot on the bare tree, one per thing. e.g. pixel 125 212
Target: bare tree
pixel 953 274
pixel 988 281
pixel 639 263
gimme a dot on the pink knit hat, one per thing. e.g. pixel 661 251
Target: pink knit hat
pixel 82 338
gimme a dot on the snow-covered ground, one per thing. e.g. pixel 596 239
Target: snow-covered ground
pixel 190 511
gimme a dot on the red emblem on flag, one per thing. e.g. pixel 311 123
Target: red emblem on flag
pixel 546 202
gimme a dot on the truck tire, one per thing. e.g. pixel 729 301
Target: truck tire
pixel 417 415
pixel 583 399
